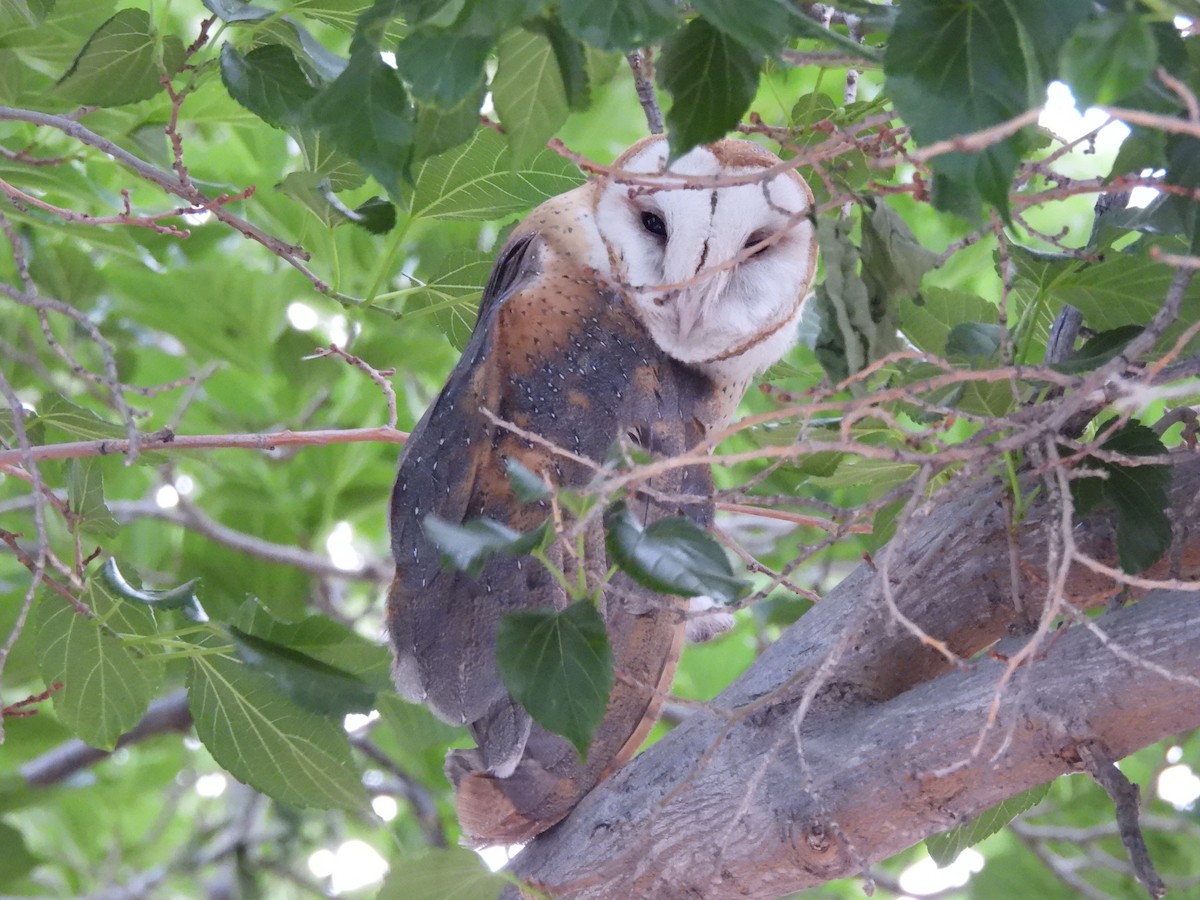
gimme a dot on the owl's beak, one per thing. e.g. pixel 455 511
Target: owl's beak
pixel 695 302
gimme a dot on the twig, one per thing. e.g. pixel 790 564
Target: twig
pixel 379 376
pixel 170 441
pixel 1124 794
pixel 641 63
pixel 171 183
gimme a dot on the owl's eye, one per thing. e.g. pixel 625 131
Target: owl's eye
pixel 654 224
pixel 756 238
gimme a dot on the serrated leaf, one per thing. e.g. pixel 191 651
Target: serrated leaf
pixel 1108 57
pixel 443 66
pixel 976 341
pixel 85 496
pixel 929 317
pixel 303 679
pixel 440 875
pixel 528 486
pixel 468 547
pixel 528 92
pixel 711 79
pixel 478 181
pixel 762 25
pixel 1137 494
pixel 893 262
pixel 268 25
pixel 1098 349
pixel 441 130
pixel 267 81
pixel 262 738
pixel 672 555
pixel 105 689
pixel 367 116
pixel 558 665
pixel 451 293
pixel 121 62
pixel 59 413
pixel 619 24
pixel 944 848
pixel 954 67
pixel 182 597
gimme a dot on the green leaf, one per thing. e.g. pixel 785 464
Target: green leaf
pixel 672 555
pixel 267 81
pixel 28 12
pixel 956 66
pixel 419 738
pixel 122 62
pixel 528 91
pixel 1109 57
pixel 1136 493
pixel 558 665
pixel 711 79
pixel 182 597
pixel 262 738
pixel 974 341
pixel 577 62
pixel 477 181
pixel 469 546
pixel 269 26
pixel 16 861
pixel 893 263
pixel 929 317
pixel 105 688
pixel 303 679
pixel 1099 349
pixel 761 25
pixel 443 67
pixel 85 496
pixel 945 847
pixel 57 412
pixel 441 130
pixel 619 24
pixel 528 486
pixel 441 875
pixel 365 113
pixel 451 293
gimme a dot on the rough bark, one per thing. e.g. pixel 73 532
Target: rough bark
pixel 850 739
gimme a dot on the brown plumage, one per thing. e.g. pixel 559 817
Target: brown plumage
pixel 562 349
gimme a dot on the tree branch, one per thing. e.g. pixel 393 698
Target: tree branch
pixel 849 740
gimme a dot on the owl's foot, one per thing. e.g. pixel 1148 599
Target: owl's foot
pixel 705 620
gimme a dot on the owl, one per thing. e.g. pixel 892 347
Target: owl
pixel 634 308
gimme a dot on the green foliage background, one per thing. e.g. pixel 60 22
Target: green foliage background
pixel 387 180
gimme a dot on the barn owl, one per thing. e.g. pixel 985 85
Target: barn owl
pixel 636 307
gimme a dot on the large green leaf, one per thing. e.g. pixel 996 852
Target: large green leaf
pixel 558 665
pixel 264 739
pixel 122 62
pixel 478 181
pixel 442 66
pixel 959 66
pixel 1136 493
pixel 440 875
pixel 367 116
pixel 1108 57
pixel 711 79
pixel 105 688
pixel 267 81
pixel 529 93
pixel 763 25
pixel 451 292
pixel 928 318
pixel 672 555
pixel 619 24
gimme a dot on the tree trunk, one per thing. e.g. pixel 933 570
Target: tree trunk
pixel 850 738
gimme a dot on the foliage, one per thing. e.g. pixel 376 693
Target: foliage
pixel 248 181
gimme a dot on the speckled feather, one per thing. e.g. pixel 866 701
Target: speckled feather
pixel 556 352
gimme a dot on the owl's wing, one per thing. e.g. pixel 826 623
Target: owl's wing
pixel 443 622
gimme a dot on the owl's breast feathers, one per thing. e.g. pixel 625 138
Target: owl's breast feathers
pixel 557 353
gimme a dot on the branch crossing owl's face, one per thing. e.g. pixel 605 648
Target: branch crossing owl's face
pixel 717 274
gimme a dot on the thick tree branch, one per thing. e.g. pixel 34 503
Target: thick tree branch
pixel 850 739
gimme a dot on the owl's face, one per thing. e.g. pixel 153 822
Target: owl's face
pixel 718 274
